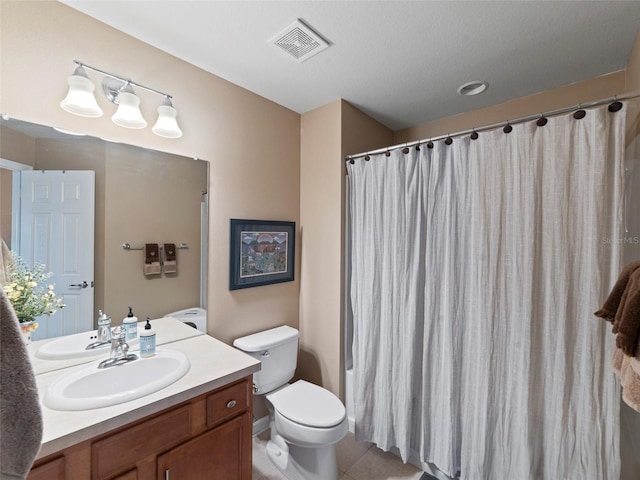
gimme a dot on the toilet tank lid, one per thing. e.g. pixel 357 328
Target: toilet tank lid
pixel 266 339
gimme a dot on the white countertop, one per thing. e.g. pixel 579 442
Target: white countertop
pixel 213 365
pixel 167 329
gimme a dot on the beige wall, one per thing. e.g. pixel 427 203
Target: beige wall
pixel 633 85
pixel 594 89
pixel 633 67
pixel 320 206
pixel 327 133
pixel 161 194
pixel 17 145
pixel 252 144
pixel 12 145
pixel 5 205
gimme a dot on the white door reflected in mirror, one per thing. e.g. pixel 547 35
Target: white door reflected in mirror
pixel 57 230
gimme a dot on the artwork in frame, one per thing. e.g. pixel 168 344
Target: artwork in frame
pixel 262 252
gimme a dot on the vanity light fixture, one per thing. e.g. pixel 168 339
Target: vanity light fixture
pixel 81 101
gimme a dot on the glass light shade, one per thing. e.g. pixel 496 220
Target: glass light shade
pixel 80 99
pixel 167 125
pixel 128 114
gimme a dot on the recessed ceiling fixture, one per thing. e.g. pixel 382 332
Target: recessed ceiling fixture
pixel 299 41
pixel 472 88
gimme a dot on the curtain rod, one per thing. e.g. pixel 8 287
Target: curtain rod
pixel 540 116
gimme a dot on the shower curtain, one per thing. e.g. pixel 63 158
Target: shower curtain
pixel 475 270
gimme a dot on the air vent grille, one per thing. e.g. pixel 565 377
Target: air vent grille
pixel 299 42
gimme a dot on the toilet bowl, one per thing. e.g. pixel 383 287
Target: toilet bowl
pixel 306 421
pixel 308 415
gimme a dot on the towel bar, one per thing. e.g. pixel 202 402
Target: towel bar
pixel 128 246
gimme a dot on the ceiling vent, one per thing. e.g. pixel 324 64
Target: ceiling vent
pixel 299 42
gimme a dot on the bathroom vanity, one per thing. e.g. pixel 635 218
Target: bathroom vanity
pixel 198 427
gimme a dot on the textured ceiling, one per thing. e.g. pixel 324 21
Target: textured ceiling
pixel 398 61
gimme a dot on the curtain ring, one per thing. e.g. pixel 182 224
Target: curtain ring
pixel 615 106
pixel 405 150
pixel 367 157
pixel 387 153
pixel 417 147
pixel 474 135
pixel 542 121
pixel 448 140
pixel 507 128
pixel 580 113
pixel 429 144
pixel 352 161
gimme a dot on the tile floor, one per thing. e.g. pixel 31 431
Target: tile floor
pixel 356 461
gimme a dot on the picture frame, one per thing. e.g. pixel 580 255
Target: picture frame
pixel 262 252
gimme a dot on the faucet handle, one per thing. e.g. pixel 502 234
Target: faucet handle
pixel 118 333
pixel 103 319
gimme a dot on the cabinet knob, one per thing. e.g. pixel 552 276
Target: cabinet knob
pixel 231 404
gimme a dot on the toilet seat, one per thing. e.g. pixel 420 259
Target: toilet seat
pixel 308 404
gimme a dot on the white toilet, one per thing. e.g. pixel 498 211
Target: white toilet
pixel 306 420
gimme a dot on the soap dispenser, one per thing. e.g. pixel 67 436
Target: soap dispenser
pixel 147 340
pixel 130 324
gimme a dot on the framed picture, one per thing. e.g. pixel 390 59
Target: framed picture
pixel 262 253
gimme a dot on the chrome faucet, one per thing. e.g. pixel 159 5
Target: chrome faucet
pixel 104 332
pixel 119 349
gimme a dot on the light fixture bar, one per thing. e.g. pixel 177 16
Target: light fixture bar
pixel 123 80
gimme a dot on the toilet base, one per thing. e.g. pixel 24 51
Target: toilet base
pixel 302 463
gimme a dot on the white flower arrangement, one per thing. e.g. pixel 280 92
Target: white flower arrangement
pixel 28 291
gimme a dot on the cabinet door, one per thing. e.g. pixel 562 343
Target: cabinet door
pixel 223 453
pixel 52 470
pixel 132 475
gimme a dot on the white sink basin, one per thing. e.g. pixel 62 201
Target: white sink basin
pixel 91 387
pixel 74 346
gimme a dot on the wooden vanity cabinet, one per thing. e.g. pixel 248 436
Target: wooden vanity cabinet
pixel 50 470
pixel 208 437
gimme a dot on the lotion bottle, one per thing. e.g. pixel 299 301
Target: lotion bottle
pixel 130 324
pixel 147 340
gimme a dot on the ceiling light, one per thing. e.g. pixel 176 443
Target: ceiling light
pixel 472 88
pixel 167 126
pixel 80 99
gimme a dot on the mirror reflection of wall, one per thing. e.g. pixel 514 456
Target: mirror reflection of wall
pixel 142 196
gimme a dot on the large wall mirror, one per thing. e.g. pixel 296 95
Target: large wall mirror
pixel 141 196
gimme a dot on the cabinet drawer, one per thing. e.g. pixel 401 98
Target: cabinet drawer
pixel 119 452
pixel 52 470
pixel 228 402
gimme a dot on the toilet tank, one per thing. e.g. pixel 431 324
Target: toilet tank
pixel 277 350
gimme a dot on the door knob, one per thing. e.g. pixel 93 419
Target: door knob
pixel 82 285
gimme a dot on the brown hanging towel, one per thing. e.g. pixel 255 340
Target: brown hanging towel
pixel 151 259
pixel 170 264
pixel 622 309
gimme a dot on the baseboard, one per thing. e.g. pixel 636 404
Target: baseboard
pixel 260 425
